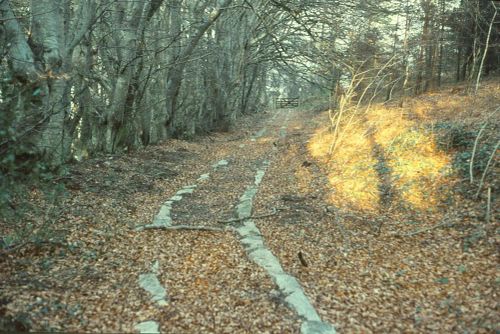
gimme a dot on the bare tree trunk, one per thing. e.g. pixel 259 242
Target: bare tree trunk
pixel 458 66
pixel 406 63
pixel 172 120
pixel 22 113
pixel 441 42
pixel 129 20
pixel 21 59
pixel 48 39
pixel 486 46
pixel 427 45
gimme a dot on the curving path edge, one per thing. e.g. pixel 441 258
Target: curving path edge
pixel 252 241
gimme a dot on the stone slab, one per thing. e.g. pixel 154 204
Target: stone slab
pixel 151 284
pixel 251 239
pixel 316 327
pixel 148 327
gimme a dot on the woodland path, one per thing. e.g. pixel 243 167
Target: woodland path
pixel 132 269
pixel 223 199
pixel 236 233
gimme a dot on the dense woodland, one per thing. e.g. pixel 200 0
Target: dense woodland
pixel 84 77
pixel 150 181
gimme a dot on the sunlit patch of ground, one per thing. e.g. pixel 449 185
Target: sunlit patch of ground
pixel 352 171
pixel 436 266
pixel 385 146
pixel 419 169
pixel 264 140
pixel 319 145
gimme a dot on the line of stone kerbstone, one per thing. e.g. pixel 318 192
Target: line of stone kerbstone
pixel 253 242
pixel 149 281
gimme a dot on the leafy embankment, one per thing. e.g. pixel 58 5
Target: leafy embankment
pixel 415 192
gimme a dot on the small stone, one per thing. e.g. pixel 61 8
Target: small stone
pixel 220 164
pixel 148 327
pixel 204 177
pixel 331 209
pixel 176 198
pixel 185 190
pixel 151 284
pixel 316 327
pixel 155 267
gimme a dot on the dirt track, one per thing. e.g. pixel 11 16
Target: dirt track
pixel 356 270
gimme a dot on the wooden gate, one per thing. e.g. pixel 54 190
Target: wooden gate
pixel 287 102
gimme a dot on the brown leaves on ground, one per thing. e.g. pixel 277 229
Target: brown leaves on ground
pixel 89 282
pixel 416 264
pixel 365 231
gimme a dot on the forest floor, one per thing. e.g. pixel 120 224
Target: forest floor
pixel 382 230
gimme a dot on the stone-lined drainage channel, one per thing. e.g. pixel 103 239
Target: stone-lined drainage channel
pixel 163 218
pixel 251 239
pixel 149 281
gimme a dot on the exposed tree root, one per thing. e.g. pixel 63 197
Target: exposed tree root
pixel 186 227
pixel 410 234
pixel 237 220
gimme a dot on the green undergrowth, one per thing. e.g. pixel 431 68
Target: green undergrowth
pixel 460 139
